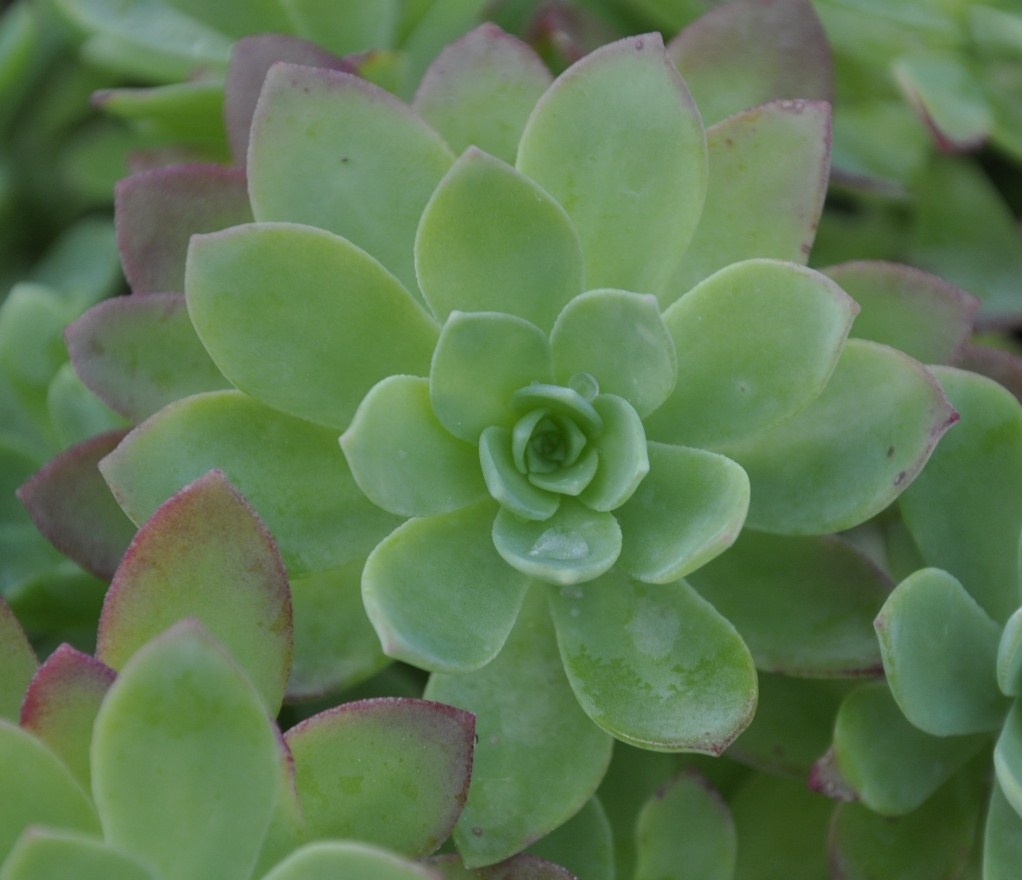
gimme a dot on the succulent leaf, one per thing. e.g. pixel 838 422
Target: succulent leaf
pixel 327 860
pixel 1009 657
pixel 1002 839
pixel 584 845
pixel 623 454
pixel 344 26
pixel 43 854
pixel 1008 758
pixel 18 663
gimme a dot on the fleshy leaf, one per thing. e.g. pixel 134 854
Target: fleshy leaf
pixel 75 412
pixel 584 845
pixel 783 50
pixel 70 504
pixel 253 290
pixel 158 211
pixel 327 860
pixel 390 772
pixel 950 508
pixel 656 666
pixel 940 656
pixel 852 451
pixel 1002 842
pixel 618 142
pixel 519 792
pixel 948 95
pixel 184 760
pixel 205 554
pixel 1009 656
pixel 908 309
pixel 438 594
pixel 292 472
pixel 1008 758
pixel 331 150
pixel 481 89
pixel 492 240
pixel 187 112
pixel 42 854
pixel 743 190
pixel 403 458
pixel 687 510
pixel 344 26
pixel 686 832
pixel 510 488
pixel 479 362
pixel 574 545
pixel 623 454
pixel 756 342
pixel 619 339
pixel 804 605
pixel 61 705
pixel 878 757
pixel 18 663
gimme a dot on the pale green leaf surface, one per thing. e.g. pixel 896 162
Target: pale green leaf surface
pixel 573 545
pixel 181 111
pixel 948 94
pixel 75 412
pixel 623 454
pixel 185 760
pixel 302 319
pixel 756 342
pixel 427 28
pixel 479 362
pixel 619 339
pixel 584 845
pixel 1008 758
pixel 389 772
pixel 1009 657
pixel 492 240
pixel 331 150
pixel 963 510
pixel 804 605
pixel 43 854
pixel 508 486
pixel 687 510
pixel 18 663
pixel 403 458
pixel 328 860
pixel 344 26
pixel 940 656
pixel 852 451
pixel 656 666
pixel 235 18
pixel 756 204
pixel 520 793
pixel 618 142
pixel 439 595
pixel 1002 839
pixel 293 473
pixel 481 89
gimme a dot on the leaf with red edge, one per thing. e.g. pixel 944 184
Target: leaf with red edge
pixel 391 771
pixel 61 704
pixel 17 663
pixel 157 212
pixel 137 354
pixel 205 554
pixel 72 506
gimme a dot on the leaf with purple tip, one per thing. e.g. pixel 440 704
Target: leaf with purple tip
pixel 523 866
pixel 18 663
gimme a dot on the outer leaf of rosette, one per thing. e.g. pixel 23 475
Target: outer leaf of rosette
pixel 292 473
pixel 490 239
pixel 963 510
pixel 302 319
pixel 687 510
pixel 656 666
pixel 1002 838
pixel 332 150
pixel 205 554
pixel 620 339
pixel 1008 758
pixel 183 742
pixel 940 656
pixel 519 699
pixel 759 204
pixel 18 663
pixel 584 845
pixel 618 142
pixel 389 772
pixel 852 451
pixel 44 854
pixel 438 593
pixel 756 343
pixel 327 860
pixel 1009 656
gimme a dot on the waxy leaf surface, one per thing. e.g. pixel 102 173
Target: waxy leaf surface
pixel 18 663
pixel 584 845
pixel 1009 656
pixel 1002 838
pixel 328 860
pixel 42 854
pixel 344 26
pixel 1008 758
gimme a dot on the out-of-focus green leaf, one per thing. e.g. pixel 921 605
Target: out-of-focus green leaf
pixel 42 854
pixel 18 663
pixel 1002 839
pixel 584 844
pixel 1008 758
pixel 344 26
pixel 1009 656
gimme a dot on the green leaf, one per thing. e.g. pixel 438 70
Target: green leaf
pixel 852 451
pixel 705 848
pixel 328 860
pixel 584 844
pixel 236 17
pixel 756 343
pixel 492 240
pixel 619 339
pixel 302 319
pixel 344 26
pixel 940 656
pixel 331 150
pixel 748 183
pixel 1009 656
pixel 1002 840
pixel 292 472
pixel 623 454
pixel 962 510
pixel 508 486
pixel 656 666
pixel 574 545
pixel 42 854
pixel 481 89
pixel 687 510
pixel 186 111
pixel 18 663
pixel 438 594
pixel 805 606
pixel 618 142
pixel 1008 758
pixel 949 95
pixel 389 772
pixel 205 554
pixel 182 742
pixel 75 412
pixel 519 792
pixel 403 458
pixel 479 362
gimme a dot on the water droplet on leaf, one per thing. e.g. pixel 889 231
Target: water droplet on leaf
pixel 560 544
